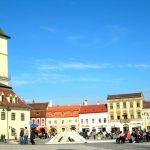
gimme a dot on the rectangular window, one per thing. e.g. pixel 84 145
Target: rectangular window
pixel 76 120
pixel 55 121
pixel 112 117
pixel 70 121
pixel 43 122
pixel 13 116
pixel 2 115
pixel 93 120
pixel 87 121
pixel 118 117
pixel 38 121
pixel 81 121
pixel 49 122
pixel 118 106
pixel 131 104
pixel 104 120
pixel 22 116
pixel 124 105
pixel 111 106
pixel 62 122
pixel 139 114
pixel 125 116
pixel 138 104
pixel 99 120
pixel 132 116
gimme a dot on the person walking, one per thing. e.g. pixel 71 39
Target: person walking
pixel 32 137
pixel 94 134
pixel 21 136
pixel 26 134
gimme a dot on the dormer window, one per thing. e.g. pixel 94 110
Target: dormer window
pixel 37 114
pixel 71 113
pixel 11 99
pixel 62 113
pixel 3 98
pixel 53 113
pixel 16 99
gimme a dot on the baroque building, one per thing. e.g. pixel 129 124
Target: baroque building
pixel 14 112
pixel 125 111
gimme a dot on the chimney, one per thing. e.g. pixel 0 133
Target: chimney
pixel 98 103
pixel 85 102
pixel 50 103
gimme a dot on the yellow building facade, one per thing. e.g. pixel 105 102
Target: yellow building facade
pixel 63 117
pixel 125 111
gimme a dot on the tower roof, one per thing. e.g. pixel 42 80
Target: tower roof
pixel 3 34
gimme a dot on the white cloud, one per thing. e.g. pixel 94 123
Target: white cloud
pixel 140 66
pixel 74 65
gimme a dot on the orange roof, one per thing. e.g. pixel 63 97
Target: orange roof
pixel 63 111
pixel 37 113
pixel 93 109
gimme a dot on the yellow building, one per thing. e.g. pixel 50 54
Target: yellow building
pixel 146 115
pixel 125 111
pixel 14 113
pixel 63 117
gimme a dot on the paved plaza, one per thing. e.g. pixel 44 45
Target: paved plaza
pixel 87 146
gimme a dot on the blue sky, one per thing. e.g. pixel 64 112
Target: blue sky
pixel 70 50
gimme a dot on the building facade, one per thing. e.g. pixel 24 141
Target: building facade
pixel 146 115
pixel 63 117
pixel 38 114
pixel 14 113
pixel 93 117
pixel 125 111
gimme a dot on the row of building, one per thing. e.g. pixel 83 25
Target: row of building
pixel 122 112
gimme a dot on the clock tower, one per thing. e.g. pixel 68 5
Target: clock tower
pixel 4 78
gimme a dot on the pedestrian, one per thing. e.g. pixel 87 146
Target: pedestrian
pixel 21 136
pixel 32 136
pixel 94 135
pixel 26 134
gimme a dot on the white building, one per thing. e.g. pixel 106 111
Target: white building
pixel 93 117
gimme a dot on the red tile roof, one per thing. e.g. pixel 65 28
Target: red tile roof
pixel 93 109
pixel 38 110
pixel 63 111
pixel 8 91
pixel 146 104
pixel 38 114
pixel 39 106
pixel 120 96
